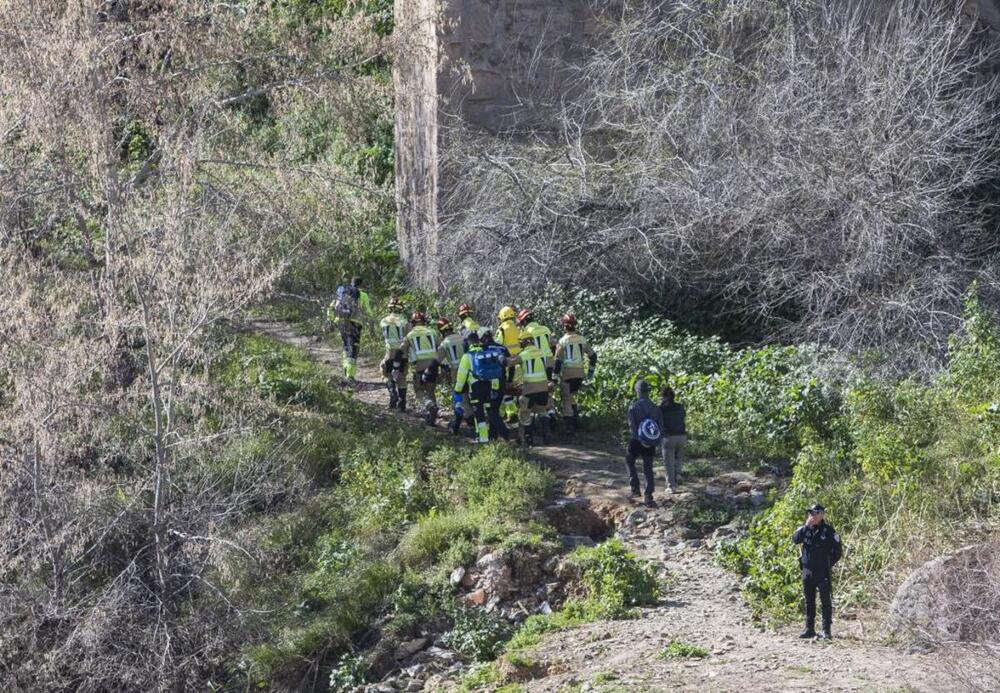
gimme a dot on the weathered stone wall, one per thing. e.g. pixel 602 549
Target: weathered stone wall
pixel 485 63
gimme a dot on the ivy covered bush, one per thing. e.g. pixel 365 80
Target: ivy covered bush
pixel 905 469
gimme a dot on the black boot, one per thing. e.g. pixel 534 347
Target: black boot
pixel 546 429
pixel 808 633
pixel 576 417
pixel 456 425
pixel 393 397
pixel 431 416
pixel 529 436
pixel 826 634
pixel 402 400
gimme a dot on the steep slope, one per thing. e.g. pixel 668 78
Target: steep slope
pixel 703 607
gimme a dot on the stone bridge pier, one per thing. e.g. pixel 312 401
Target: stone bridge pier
pixel 477 61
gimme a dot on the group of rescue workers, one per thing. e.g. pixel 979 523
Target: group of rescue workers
pixel 510 375
pixel 494 378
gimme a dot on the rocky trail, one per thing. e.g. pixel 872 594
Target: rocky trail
pixel 702 605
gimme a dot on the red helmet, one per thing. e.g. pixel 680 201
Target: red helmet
pixel 524 316
pixel 444 326
pixel 569 321
pixel 464 310
pixel 418 318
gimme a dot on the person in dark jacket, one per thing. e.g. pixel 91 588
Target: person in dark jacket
pixel 821 549
pixel 674 436
pixel 639 444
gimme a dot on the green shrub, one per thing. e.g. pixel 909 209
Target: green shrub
pixel 348 673
pixel 478 635
pixel 752 403
pixel 677 649
pixel 615 579
pixel 279 372
pixel 903 468
pixel 436 533
pixel 499 480
pixel 573 614
pixel 480 676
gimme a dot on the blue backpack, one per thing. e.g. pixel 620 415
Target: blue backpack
pixel 348 304
pixel 486 365
pixel 649 433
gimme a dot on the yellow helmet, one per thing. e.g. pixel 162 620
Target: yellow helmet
pixel 507 313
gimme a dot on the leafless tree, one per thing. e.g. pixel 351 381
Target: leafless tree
pixel 822 167
pixel 136 221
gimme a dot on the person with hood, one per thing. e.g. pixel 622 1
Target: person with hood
pixel 645 428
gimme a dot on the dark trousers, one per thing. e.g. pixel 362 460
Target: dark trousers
pixel 485 409
pixel 813 581
pixel 350 335
pixel 635 451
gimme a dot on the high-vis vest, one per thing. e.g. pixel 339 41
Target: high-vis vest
pixel 470 325
pixel 509 335
pixel 394 329
pixel 533 366
pixel 452 349
pixel 422 344
pixel 543 338
pixel 573 349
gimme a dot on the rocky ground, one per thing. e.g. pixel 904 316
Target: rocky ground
pixel 702 608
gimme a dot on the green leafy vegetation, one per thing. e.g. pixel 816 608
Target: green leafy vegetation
pixel 478 635
pixel 678 649
pixel 399 508
pixel 903 465
pixel 616 581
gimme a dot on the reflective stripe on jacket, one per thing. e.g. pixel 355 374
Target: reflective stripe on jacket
pixel 394 329
pixel 421 344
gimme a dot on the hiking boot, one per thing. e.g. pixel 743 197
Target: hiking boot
pixel 634 496
pixel 546 425
pixel 826 634
pixel 807 634
pixel 650 503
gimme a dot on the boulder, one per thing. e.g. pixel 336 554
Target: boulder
pixel 476 598
pixel 954 597
pixel 411 647
pixel 494 574
pixel 456 577
pixel 570 542
pixel 635 518
pixel 757 498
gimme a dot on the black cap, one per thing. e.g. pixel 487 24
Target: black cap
pixel 642 386
pixel 817 509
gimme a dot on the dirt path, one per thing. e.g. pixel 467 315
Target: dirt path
pixel 703 606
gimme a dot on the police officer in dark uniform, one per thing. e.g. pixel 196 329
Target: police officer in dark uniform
pixel 821 549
